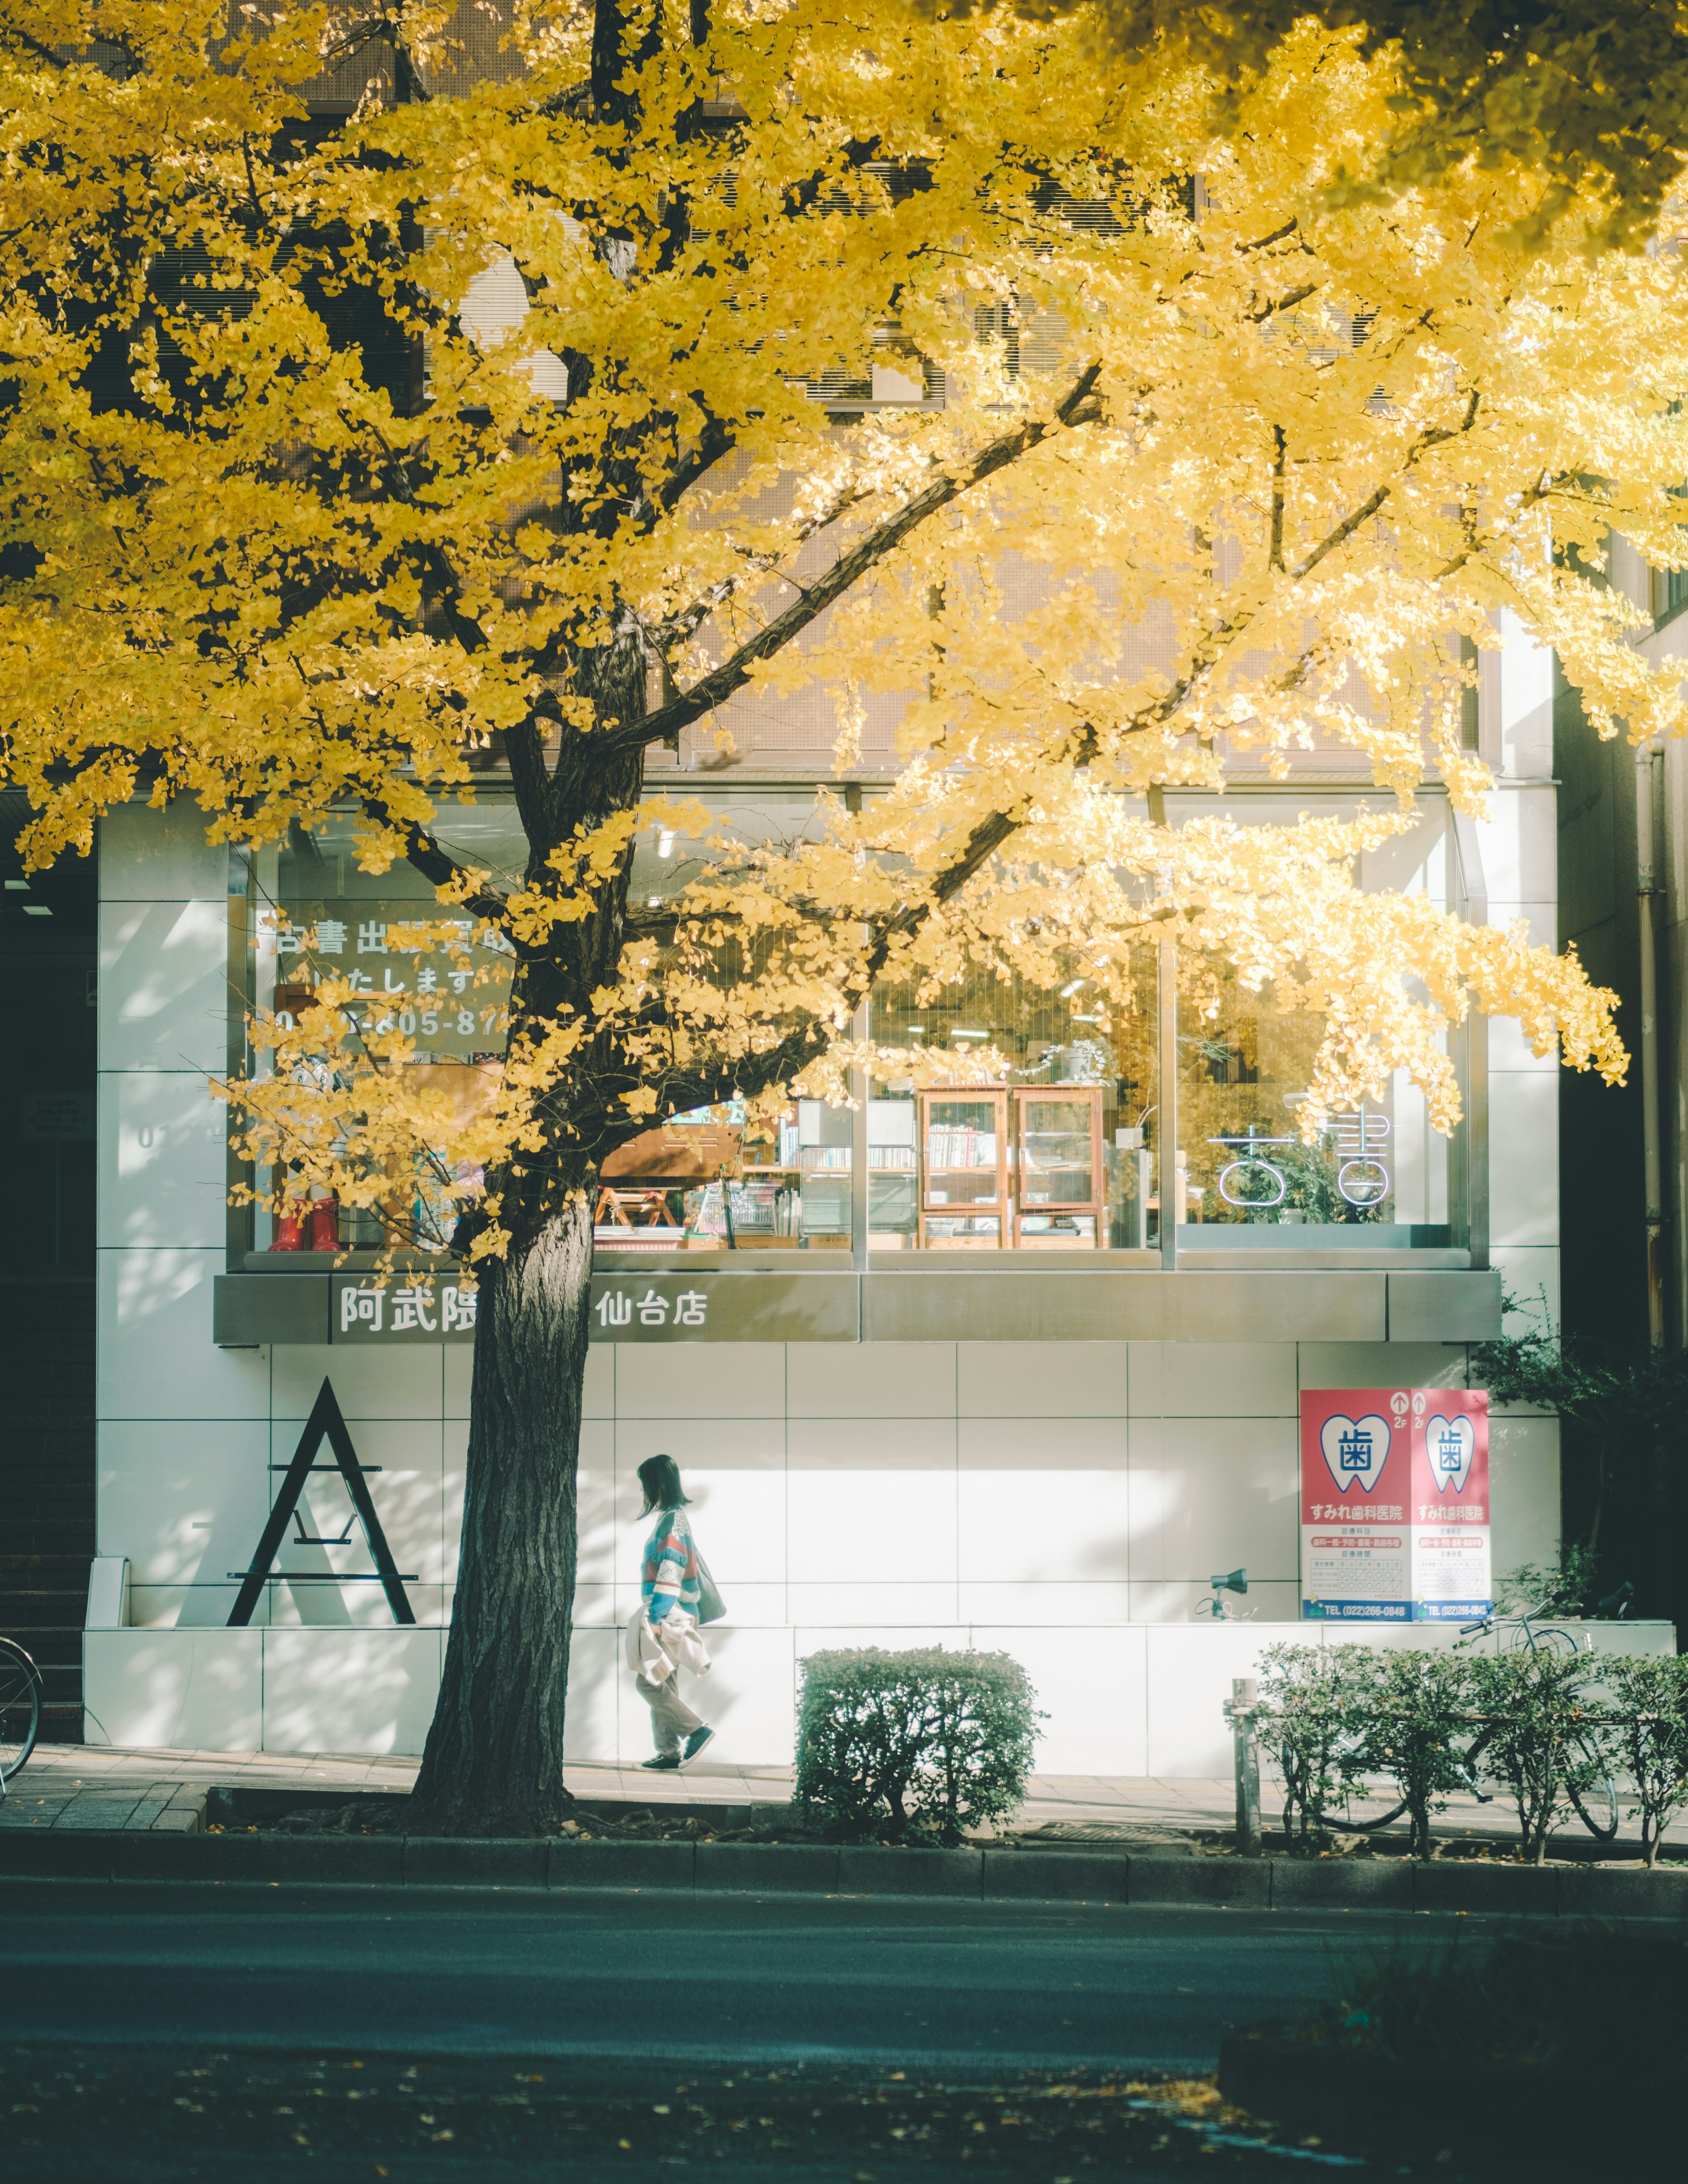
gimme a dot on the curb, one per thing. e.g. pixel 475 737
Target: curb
pixel 843 1869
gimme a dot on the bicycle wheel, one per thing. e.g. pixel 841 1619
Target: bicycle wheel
pixel 20 1708
pixel 1550 1641
pixel 1596 1807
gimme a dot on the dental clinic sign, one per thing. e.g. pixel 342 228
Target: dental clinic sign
pixel 1394 1504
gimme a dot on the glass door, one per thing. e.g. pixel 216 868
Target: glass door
pixel 1058 1168
pixel 964 1170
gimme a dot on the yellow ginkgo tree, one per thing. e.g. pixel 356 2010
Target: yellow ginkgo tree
pixel 293 529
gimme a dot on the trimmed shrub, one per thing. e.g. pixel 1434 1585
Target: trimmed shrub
pixel 1541 1743
pixel 914 1745
pixel 1312 1699
pixel 1651 1702
pixel 1409 1731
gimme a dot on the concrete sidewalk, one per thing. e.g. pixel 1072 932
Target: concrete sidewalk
pixel 79 1786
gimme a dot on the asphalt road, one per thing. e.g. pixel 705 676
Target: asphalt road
pixel 655 1978
pixel 166 2035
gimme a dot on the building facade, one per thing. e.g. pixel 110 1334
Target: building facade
pixel 1034 1416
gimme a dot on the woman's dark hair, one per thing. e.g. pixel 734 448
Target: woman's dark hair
pixel 660 1476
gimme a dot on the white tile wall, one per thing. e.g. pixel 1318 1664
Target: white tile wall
pixel 1040 1380
pixel 399 1380
pixel 198 1691
pixel 1524 1486
pixel 1529 1274
pixel 155 1357
pixel 868 1380
pixel 1213 1380
pixel 163 985
pixel 1523 1158
pixel 163 1161
pixel 1382 1364
pixel 159 856
pixel 185 1500
pixel 700 1379
pixel 1214 1494
pixel 1067 1536
pixel 1093 1689
pixel 349 1690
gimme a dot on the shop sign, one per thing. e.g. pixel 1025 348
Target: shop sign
pixel 723 1307
pixel 1356 1490
pixel 1450 1565
pixel 401 1310
pixel 652 1307
pixel 1395 1505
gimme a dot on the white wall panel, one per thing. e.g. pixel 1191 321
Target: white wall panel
pixel 185 1500
pixel 155 1357
pixel 1042 1379
pixel 163 985
pixel 1213 1380
pixel 349 1690
pixel 163 1161
pixel 192 1691
pixel 870 1379
pixel 1212 1494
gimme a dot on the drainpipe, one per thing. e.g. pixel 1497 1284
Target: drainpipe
pixel 1647 760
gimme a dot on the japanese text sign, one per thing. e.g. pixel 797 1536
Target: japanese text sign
pixel 1357 1480
pixel 1450 1565
pixel 1394 1504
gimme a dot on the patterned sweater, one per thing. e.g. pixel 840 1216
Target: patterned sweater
pixel 668 1576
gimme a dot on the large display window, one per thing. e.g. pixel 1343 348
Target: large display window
pixel 1032 1116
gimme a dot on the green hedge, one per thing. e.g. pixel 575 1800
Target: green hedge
pixel 1546 1730
pixel 921 1744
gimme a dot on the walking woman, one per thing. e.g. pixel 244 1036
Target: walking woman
pixel 675 1595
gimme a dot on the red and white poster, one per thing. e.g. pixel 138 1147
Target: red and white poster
pixel 1356 1496
pixel 1451 1567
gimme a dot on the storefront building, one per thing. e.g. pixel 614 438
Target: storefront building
pixel 1015 1364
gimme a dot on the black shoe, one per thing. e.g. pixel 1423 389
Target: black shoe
pixel 664 1762
pixel 695 1743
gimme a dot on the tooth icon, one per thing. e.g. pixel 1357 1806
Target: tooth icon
pixel 1450 1444
pixel 1355 1448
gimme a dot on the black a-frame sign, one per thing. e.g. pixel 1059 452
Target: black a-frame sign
pixel 325 1423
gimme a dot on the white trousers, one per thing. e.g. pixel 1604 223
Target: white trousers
pixel 672 1720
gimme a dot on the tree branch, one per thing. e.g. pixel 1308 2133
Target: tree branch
pixel 713 688
pixel 438 865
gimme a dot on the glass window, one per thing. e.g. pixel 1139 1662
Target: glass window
pixel 1044 1141
pixel 312 913
pixel 1376 1175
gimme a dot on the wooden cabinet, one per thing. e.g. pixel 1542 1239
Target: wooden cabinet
pixel 1059 1182
pixel 964 1170
pixel 1003 1170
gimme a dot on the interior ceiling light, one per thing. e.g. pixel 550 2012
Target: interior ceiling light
pixel 665 841
pixel 36 910
pixel 959 1033
pixel 652 902
pixel 1072 988
pixel 1094 1019
pixel 19 886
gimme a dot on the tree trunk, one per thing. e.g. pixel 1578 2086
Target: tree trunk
pixel 493 1764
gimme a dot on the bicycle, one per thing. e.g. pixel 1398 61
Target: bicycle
pixel 1597 1807
pixel 1602 1812
pixel 20 1690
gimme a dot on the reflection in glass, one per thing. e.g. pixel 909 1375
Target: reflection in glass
pixel 1055 1153
pixel 1376 1174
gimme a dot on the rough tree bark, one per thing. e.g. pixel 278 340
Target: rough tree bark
pixel 493 1764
